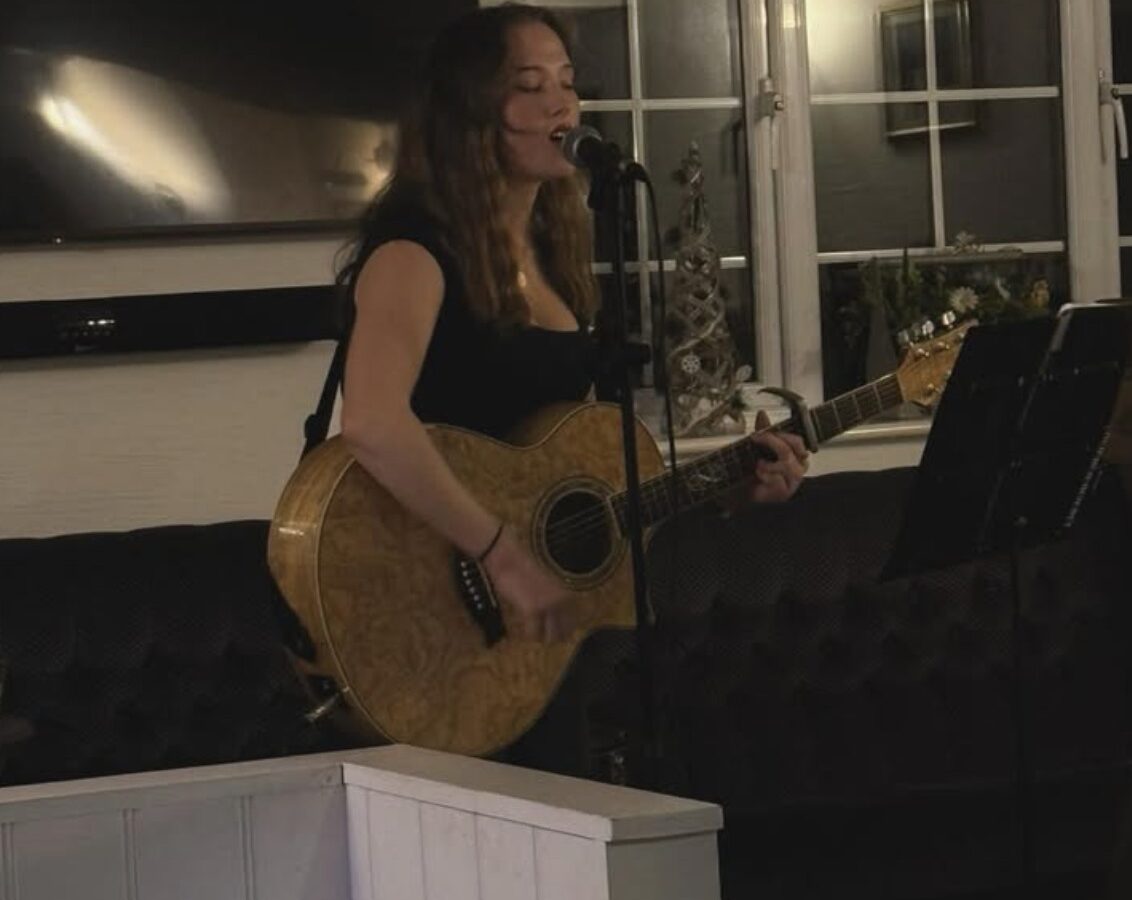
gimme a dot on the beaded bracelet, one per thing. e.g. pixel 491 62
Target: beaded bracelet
pixel 491 546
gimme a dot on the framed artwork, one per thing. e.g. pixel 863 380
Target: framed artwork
pixel 904 63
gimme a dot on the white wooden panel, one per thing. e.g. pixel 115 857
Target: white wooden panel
pixel 506 860
pixel 80 857
pixel 395 848
pixel 191 851
pixel 569 867
pixel 115 793
pixel 670 869
pixel 554 802
pixel 7 862
pixel 448 844
pixel 358 842
pixel 298 844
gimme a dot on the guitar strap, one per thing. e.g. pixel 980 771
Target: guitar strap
pixel 317 424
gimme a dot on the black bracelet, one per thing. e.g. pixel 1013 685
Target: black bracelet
pixel 491 546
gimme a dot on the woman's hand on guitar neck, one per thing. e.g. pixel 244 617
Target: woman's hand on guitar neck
pixel 539 603
pixel 776 481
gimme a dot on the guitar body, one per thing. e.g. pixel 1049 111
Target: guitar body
pixel 389 604
pixel 407 628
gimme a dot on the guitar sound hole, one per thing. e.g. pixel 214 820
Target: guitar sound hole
pixel 578 533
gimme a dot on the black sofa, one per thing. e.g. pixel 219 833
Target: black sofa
pixel 859 735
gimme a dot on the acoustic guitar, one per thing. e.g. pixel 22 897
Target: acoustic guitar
pixel 407 629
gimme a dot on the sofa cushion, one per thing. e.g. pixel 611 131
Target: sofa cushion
pixel 147 649
pixel 792 676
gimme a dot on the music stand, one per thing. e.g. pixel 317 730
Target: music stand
pixel 1014 450
pixel 1016 441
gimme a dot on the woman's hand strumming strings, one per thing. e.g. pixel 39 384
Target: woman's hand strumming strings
pixel 541 606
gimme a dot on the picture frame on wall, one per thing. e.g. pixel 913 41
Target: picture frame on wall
pixel 904 64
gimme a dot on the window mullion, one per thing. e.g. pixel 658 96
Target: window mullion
pixel 1090 165
pixel 800 301
pixel 935 145
pixel 761 208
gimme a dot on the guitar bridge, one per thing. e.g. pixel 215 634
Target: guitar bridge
pixel 479 598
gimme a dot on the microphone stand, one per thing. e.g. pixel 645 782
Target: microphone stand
pixel 610 185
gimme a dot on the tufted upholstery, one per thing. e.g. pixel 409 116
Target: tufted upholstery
pixel 143 650
pixel 859 730
pixel 858 735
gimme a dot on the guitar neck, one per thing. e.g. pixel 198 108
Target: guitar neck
pixel 713 474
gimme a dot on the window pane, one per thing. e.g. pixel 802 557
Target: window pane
pixel 875 45
pixel 853 46
pixel 1122 40
pixel 601 50
pixel 616 127
pixel 690 49
pixel 864 305
pixel 719 134
pixel 1002 170
pixel 738 295
pixel 1012 43
pixel 1124 187
pixel 607 380
pixel 873 177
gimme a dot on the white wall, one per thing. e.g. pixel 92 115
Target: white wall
pixel 115 442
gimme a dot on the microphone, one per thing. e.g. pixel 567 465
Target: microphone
pixel 585 148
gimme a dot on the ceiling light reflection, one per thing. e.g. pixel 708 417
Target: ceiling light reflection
pixel 136 125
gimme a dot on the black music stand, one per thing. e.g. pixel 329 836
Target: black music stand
pixel 1014 450
pixel 1016 441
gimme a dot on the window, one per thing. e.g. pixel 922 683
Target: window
pixel 654 76
pixel 1121 15
pixel 938 167
pixel 872 162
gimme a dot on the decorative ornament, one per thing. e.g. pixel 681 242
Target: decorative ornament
pixel 704 378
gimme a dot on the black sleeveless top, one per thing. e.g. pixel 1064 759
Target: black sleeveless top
pixel 476 374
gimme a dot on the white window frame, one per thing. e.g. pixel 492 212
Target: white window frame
pixel 1093 240
pixel 1090 152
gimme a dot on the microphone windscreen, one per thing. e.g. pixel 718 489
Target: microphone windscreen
pixel 573 140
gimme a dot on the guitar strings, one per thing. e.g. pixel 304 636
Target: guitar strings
pixel 604 515
pixel 560 532
pixel 660 489
pixel 587 521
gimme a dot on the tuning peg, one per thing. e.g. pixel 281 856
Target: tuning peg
pixel 927 328
pixel 948 318
pixel 904 339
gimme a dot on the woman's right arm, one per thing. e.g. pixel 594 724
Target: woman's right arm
pixel 397 297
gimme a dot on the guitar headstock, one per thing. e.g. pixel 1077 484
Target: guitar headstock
pixel 927 365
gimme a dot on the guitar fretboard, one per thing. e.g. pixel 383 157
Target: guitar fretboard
pixel 715 473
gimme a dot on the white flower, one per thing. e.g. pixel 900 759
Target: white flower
pixel 963 300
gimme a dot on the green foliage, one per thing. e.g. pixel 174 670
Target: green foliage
pixel 991 286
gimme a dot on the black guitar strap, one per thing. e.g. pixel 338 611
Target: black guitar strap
pixel 317 424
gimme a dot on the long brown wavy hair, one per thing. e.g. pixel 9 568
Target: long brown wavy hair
pixel 450 159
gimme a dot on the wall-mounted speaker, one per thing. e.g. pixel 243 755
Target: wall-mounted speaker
pixel 156 322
